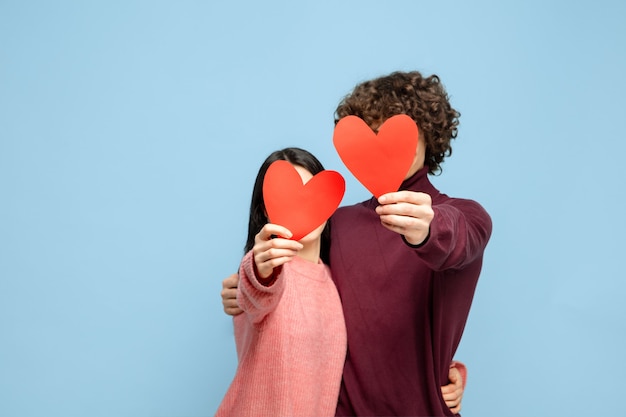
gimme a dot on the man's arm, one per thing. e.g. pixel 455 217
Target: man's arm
pixel 449 235
pixel 453 392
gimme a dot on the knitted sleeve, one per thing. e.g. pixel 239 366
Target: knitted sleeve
pixel 255 299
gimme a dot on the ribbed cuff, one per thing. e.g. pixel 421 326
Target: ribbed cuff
pixel 419 245
pixel 267 282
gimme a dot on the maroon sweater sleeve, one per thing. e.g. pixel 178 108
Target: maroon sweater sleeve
pixel 459 234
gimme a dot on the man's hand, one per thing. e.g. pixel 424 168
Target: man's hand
pixel 408 213
pixel 229 295
pixel 453 392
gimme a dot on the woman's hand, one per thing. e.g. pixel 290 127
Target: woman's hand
pixel 272 248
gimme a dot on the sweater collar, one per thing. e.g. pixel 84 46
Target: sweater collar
pixel 308 269
pixel 420 182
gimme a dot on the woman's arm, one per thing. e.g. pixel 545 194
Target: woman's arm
pixel 260 290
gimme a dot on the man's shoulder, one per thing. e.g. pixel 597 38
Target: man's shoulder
pixel 470 209
pixel 456 201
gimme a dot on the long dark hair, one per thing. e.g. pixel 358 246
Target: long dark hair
pixel 258 218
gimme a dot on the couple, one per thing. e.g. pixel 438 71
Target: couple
pixel 405 267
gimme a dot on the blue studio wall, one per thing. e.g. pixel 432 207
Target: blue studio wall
pixel 131 132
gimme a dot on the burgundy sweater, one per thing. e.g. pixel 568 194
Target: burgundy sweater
pixel 405 307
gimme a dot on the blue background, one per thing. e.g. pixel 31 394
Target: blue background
pixel 131 132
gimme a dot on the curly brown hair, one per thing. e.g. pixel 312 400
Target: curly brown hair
pixel 423 99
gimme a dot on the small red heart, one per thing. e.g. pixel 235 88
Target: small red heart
pixel 380 162
pixel 299 207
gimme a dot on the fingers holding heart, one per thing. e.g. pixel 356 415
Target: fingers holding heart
pixel 407 213
pixel 270 252
pixel 270 231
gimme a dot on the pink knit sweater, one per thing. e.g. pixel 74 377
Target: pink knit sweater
pixel 291 344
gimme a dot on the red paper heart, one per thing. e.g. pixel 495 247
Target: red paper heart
pixel 379 161
pixel 299 207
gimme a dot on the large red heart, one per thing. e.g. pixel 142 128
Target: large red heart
pixel 379 161
pixel 299 207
